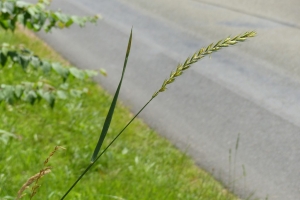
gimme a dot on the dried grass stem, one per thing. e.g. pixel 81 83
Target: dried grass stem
pixel 32 179
pixel 35 178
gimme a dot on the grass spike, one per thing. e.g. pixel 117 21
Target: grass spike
pixel 203 52
pixel 31 180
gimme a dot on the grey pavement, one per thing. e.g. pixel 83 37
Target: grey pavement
pixel 252 89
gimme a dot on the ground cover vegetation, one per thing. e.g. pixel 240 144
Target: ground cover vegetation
pixel 66 108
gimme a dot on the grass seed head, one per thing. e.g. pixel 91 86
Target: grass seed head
pixel 35 178
pixel 200 54
pixel 31 180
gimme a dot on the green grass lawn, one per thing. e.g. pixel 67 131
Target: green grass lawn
pixel 140 165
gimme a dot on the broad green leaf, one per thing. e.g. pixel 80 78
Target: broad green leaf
pixel 29 25
pixel 76 93
pixel 13 56
pixel 61 70
pixel 42 19
pixel 11 24
pixel 24 61
pixel 78 20
pixel 91 73
pixel 64 86
pixel 37 27
pixel 31 97
pixel 69 22
pixel 36 62
pixel 112 106
pixel 22 4
pixel 61 94
pixel 8 7
pixel 46 66
pixel 22 19
pixel 24 57
pixel 26 51
pixel 40 93
pixel 60 24
pixel 5 48
pixel 8 93
pixel 77 73
pixel 35 16
pixel 49 97
pixel 4 24
pixel 19 89
pixel 46 2
pixel 62 17
pixel 32 10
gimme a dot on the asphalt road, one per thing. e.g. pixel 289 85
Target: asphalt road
pixel 252 89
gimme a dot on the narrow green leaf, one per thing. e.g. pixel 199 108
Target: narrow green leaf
pixel 112 106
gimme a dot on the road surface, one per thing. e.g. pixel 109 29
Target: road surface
pixel 252 89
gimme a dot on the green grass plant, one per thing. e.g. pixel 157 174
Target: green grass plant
pixel 178 72
pixel 140 165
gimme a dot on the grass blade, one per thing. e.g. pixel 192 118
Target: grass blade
pixel 106 123
pixel 112 106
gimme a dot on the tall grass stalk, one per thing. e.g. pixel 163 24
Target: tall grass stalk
pixel 178 72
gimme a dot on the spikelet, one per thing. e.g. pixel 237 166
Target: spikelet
pixel 31 180
pixel 200 54
pixel 35 178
